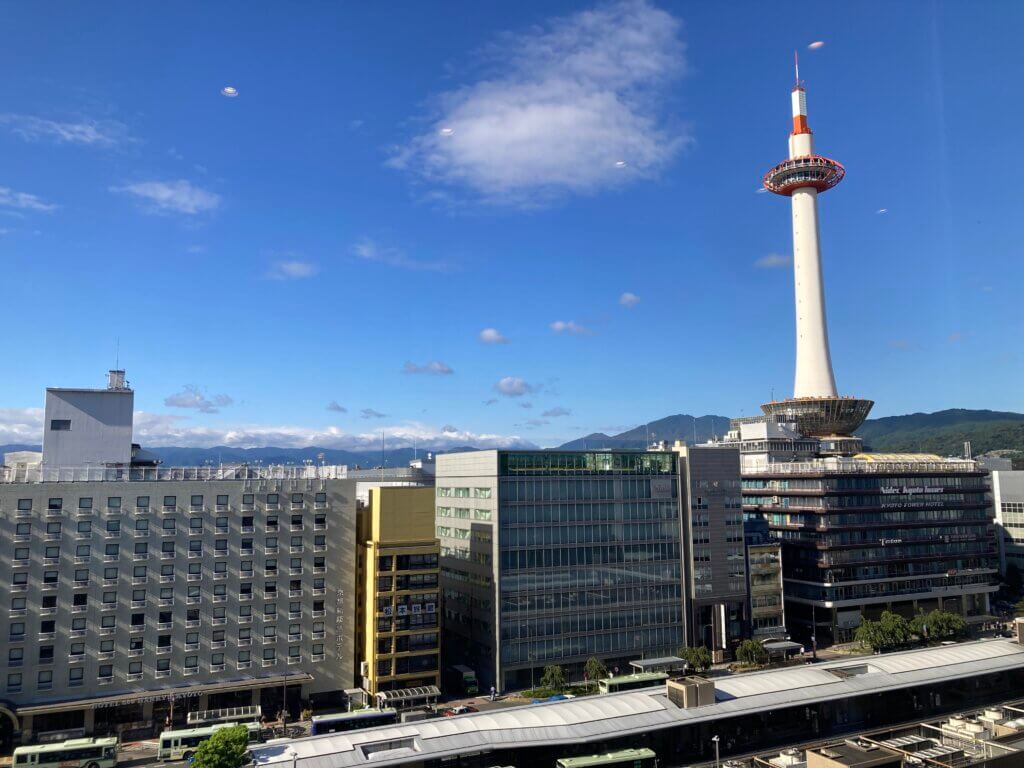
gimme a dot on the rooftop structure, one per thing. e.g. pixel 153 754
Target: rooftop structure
pixel 89 426
pixel 875 690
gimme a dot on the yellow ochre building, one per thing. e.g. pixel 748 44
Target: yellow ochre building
pixel 398 604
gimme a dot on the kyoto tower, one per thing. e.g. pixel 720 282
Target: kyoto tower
pixel 815 407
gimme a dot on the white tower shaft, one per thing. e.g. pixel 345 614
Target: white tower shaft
pixel 814 377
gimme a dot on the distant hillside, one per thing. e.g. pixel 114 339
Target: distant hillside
pixel 944 432
pixel 671 428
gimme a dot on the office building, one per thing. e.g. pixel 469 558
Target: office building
pixel 138 593
pixel 398 600
pixel 714 553
pixel 551 557
pixel 765 584
pixel 1008 502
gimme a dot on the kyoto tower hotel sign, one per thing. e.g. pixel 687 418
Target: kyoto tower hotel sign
pixel 815 407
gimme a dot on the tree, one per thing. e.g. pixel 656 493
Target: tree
pixel 595 669
pixel 890 631
pixel 938 623
pixel 751 652
pixel 698 657
pixel 226 748
pixel 553 678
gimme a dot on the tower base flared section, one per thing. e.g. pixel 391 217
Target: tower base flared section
pixel 820 416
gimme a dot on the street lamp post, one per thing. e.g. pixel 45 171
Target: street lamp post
pixel 714 739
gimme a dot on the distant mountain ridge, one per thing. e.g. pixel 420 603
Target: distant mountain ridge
pixel 942 432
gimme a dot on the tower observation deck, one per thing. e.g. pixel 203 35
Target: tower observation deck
pixel 815 407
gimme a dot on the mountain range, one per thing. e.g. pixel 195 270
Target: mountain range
pixel 942 432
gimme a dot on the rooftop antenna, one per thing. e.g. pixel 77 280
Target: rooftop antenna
pixel 796 66
pixel 695 431
pixel 117 353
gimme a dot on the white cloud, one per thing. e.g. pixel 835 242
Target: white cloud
pixel 23 201
pixel 178 196
pixel 555 412
pixel 434 367
pixel 369 413
pixel 513 386
pixel 336 407
pixel 882 210
pixel 492 336
pixel 291 270
pixel 629 300
pixel 773 261
pixel 572 106
pixel 192 396
pixel 368 250
pixel 102 133
pixel 21 425
pixel 568 326
pixel 25 425
pixel 816 45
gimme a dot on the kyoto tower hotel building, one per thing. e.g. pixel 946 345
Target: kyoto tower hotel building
pixel 861 532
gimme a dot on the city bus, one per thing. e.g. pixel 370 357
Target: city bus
pixel 337 722
pixel 181 744
pixel 631 682
pixel 74 753
pixel 624 758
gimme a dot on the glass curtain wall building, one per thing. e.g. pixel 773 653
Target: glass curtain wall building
pixel 551 557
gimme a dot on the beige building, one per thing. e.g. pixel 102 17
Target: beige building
pixel 398 603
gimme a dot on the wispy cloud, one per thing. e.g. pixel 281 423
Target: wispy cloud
pixel 434 367
pixel 901 344
pixel 492 336
pixel 23 201
pixel 291 270
pixel 178 196
pixel 569 326
pixel 101 133
pixel 369 413
pixel 773 261
pixel 955 337
pixel 629 300
pixel 491 401
pixel 555 412
pixel 572 106
pixel 192 396
pixel 527 406
pixel 816 45
pixel 513 386
pixel 368 250
pixel 336 407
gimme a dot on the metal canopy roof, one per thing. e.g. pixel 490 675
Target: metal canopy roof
pixel 410 694
pixel 597 718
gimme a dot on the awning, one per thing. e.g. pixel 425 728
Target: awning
pixel 404 695
pixel 163 694
pixel 782 646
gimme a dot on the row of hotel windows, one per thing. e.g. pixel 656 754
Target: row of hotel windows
pixel 405 665
pixel 108 623
pixel 169 549
pixel 80 601
pixel 463 513
pixel 406 562
pixel 76 650
pixel 168 526
pixel 140 574
pixel 171 502
pixel 105 672
pixel 464 493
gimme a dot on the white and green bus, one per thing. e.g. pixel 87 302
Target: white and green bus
pixel 631 682
pixel 74 753
pixel 181 745
pixel 624 758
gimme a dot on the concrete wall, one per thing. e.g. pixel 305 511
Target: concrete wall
pixel 101 427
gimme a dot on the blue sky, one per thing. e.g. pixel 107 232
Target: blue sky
pixel 316 258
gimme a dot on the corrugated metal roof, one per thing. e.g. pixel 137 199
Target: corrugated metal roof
pixel 595 718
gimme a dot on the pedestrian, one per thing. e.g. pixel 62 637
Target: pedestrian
pixel 493 692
